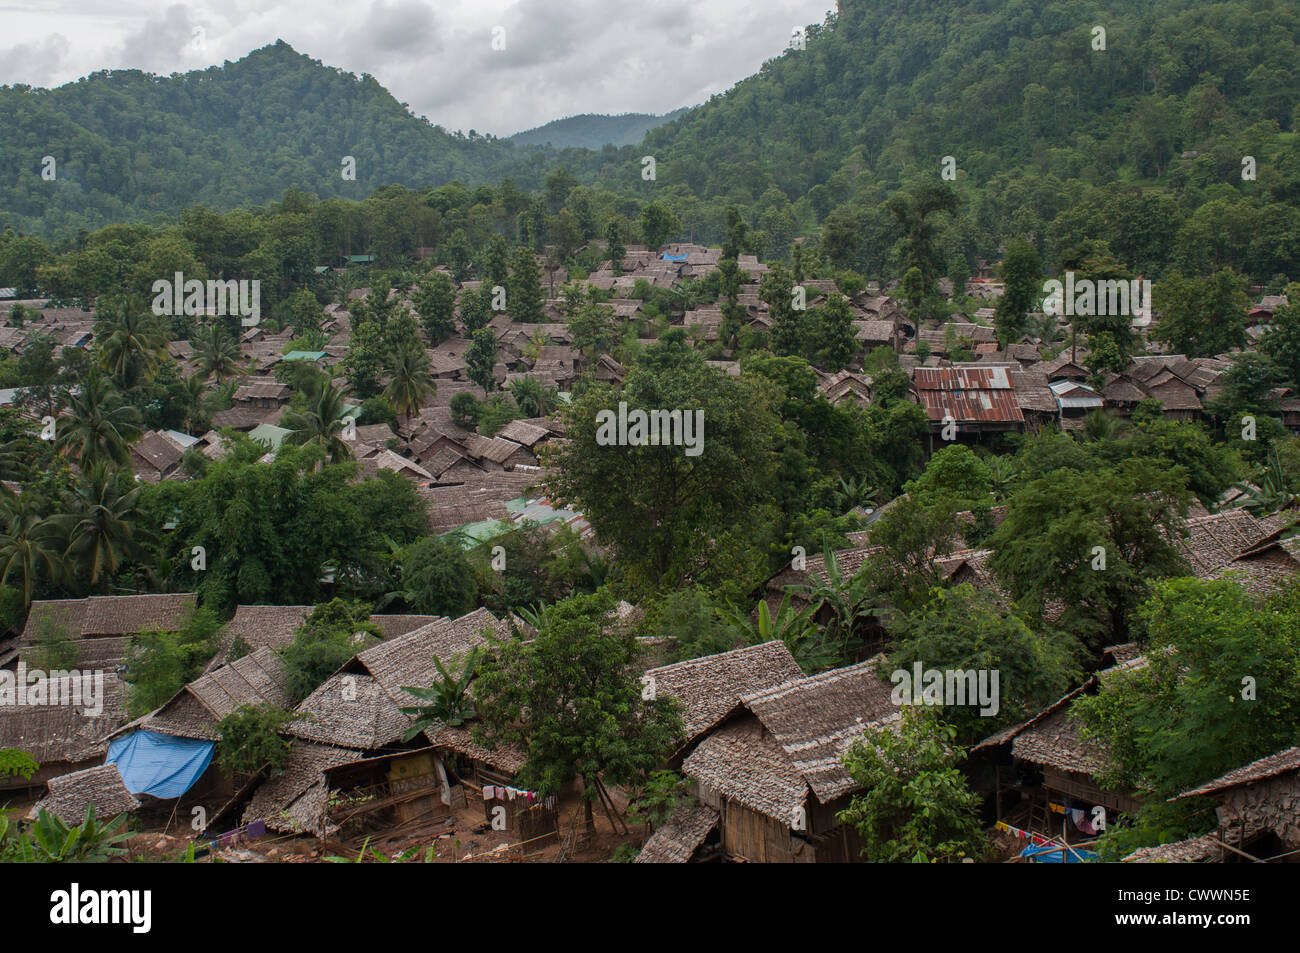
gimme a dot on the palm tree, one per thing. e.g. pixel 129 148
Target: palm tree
pixel 130 340
pixel 217 352
pixel 100 426
pixel 321 424
pixel 1048 330
pixel 30 544
pixel 411 384
pixel 853 493
pixel 101 526
pixel 1101 425
pixel 192 397
pixel 532 398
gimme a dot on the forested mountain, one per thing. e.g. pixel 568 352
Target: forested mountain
pixel 591 131
pixel 1140 143
pixel 1053 138
pixel 129 145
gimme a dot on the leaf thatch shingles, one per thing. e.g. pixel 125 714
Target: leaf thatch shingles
pixel 678 837
pixel 101 786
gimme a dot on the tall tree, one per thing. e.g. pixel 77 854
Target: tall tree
pixel 129 338
pixel 410 383
pixel 571 700
pixel 217 352
pixel 1022 276
pixel 658 222
pixel 481 357
pixel 100 424
pixel 102 525
pixel 31 546
pixel 321 422
pixel 525 299
pixel 1201 317
pixel 435 302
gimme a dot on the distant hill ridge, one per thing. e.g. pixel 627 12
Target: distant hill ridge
pixel 595 131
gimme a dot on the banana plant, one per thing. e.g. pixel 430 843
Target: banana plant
pixel 845 597
pixel 801 635
pixel 1272 493
pixel 448 697
pixel 91 842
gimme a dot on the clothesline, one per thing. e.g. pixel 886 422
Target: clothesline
pixel 1023 835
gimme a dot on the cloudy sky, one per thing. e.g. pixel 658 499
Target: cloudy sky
pixel 561 57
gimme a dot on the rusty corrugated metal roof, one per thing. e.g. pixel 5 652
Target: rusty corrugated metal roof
pixel 968 394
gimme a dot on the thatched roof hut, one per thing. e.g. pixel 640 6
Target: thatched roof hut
pixel 100 786
pixel 193 712
pixel 785 744
pixel 102 625
pixel 677 839
pixel 710 688
pixel 294 799
pixel 62 737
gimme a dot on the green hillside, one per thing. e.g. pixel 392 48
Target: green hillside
pixel 590 131
pixel 130 145
pixel 1052 139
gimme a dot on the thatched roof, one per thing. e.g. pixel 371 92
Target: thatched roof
pixel 408 660
pixel 506 759
pixel 1284 762
pixel 1055 742
pixel 793 739
pixel 350 710
pixel 99 616
pixel 679 836
pixel 741 762
pixel 294 799
pixel 816 719
pixel 1215 540
pixel 193 712
pixel 393 626
pixel 1014 731
pixel 710 688
pixel 271 627
pixel 1032 392
pixel 101 786
pixel 1192 851
pixel 814 572
pixel 524 433
pixel 1265 568
pixel 53 733
pixel 360 706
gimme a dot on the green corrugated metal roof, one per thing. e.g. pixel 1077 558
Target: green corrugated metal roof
pixel 269 434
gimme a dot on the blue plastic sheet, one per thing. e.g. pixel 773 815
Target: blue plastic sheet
pixel 675 257
pixel 1050 854
pixel 163 766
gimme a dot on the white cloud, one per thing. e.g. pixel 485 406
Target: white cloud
pixel 562 57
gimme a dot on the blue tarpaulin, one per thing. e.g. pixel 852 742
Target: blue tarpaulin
pixel 1050 854
pixel 675 257
pixel 163 766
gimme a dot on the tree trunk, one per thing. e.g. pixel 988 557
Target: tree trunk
pixel 587 809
